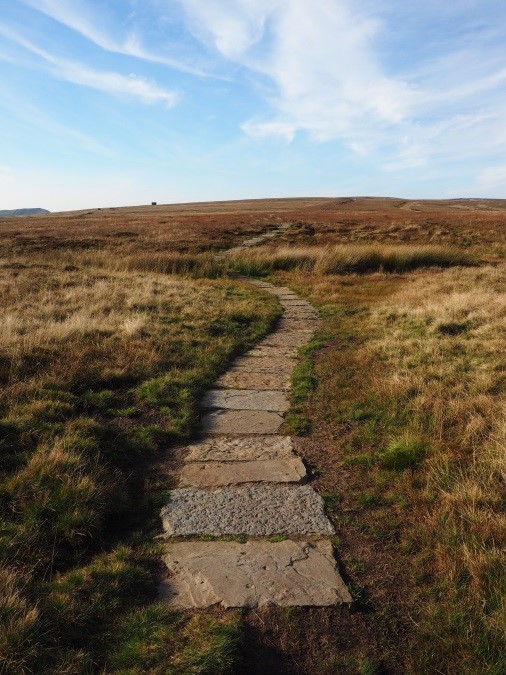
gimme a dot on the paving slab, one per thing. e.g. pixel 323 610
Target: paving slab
pixel 259 381
pixel 216 474
pixel 283 290
pixel 246 399
pixel 301 315
pixel 295 302
pixel 257 511
pixel 295 338
pixel 273 352
pixel 292 323
pixel 240 448
pixel 242 422
pixel 248 364
pixel 254 574
pixel 295 324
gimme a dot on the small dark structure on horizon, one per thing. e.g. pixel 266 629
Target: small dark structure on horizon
pixel 153 203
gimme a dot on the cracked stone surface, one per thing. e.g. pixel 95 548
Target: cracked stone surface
pixel 260 381
pixel 257 511
pixel 242 422
pixel 246 399
pixel 215 474
pixel 255 574
pixel 240 448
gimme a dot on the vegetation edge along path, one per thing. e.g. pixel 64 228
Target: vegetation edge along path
pixel 243 530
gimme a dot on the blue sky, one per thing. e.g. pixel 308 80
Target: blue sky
pixel 116 102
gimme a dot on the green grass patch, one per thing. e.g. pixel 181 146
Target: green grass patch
pixel 404 454
pixel 158 640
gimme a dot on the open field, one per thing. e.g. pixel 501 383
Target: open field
pixel 201 227
pixel 114 324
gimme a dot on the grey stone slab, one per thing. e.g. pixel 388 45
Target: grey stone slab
pixel 240 448
pixel 254 574
pixel 246 399
pixel 242 422
pixel 248 364
pixel 215 474
pixel 257 511
pixel 260 381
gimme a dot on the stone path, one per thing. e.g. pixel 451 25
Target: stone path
pixel 243 481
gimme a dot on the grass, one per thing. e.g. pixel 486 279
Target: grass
pixel 114 324
pixel 348 259
pixel 408 398
pixel 157 640
pixel 100 371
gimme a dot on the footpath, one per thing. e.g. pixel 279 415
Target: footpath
pixel 244 529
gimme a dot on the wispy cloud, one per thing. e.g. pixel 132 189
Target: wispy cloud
pixel 80 17
pixel 108 82
pixel 325 75
pixel 327 78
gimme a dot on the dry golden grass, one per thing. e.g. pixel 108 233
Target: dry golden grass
pixel 109 338
pixel 445 342
pixel 347 259
pixel 100 369
pixel 408 413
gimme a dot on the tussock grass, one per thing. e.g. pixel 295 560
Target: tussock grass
pixel 456 384
pixel 348 259
pixel 412 387
pixel 100 369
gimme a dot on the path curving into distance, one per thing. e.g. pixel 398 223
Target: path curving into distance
pixel 243 482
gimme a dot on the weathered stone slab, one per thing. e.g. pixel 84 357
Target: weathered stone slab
pixel 215 474
pixel 294 338
pixel 295 323
pixel 255 574
pixel 240 448
pixel 246 399
pixel 260 381
pixel 248 364
pixel 242 422
pixel 295 302
pixel 300 314
pixel 273 352
pixel 283 290
pixel 257 511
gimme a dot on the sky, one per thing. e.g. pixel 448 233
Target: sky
pixel 125 102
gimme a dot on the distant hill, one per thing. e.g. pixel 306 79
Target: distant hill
pixel 22 212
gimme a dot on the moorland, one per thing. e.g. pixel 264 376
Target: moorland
pixel 116 321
